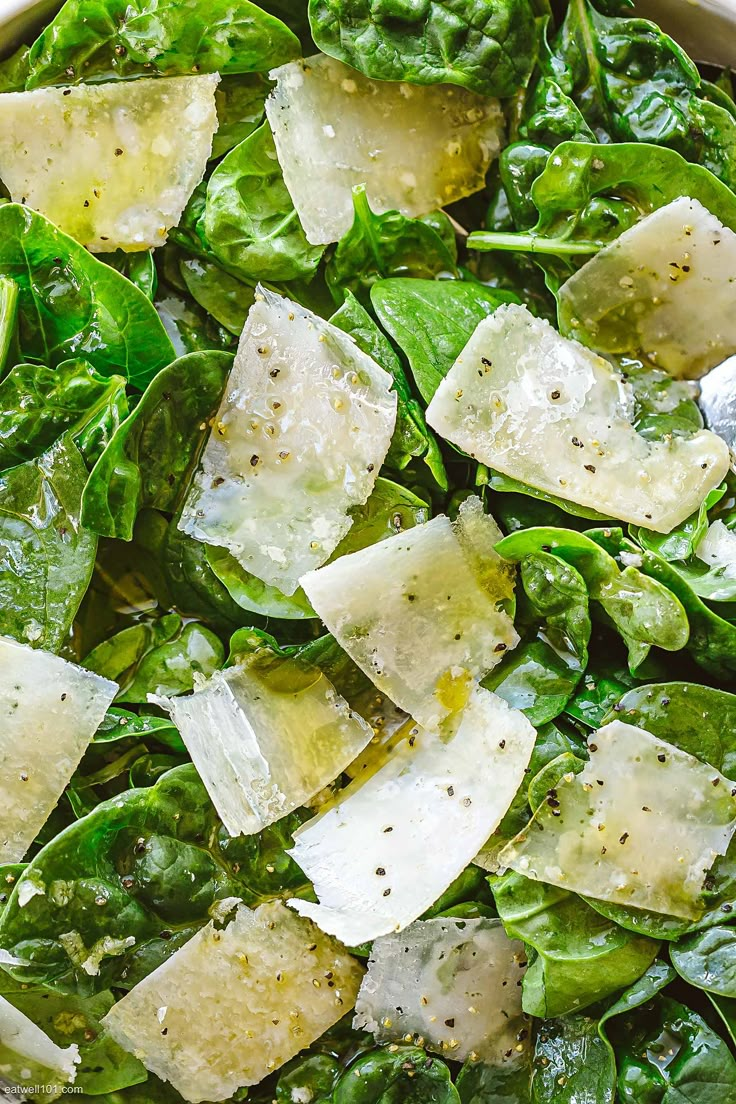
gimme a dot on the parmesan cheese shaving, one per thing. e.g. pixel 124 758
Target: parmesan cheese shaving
pixel 397 838
pixel 546 411
pixel 641 825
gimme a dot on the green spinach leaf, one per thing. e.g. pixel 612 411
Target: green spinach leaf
pixel 139 268
pixel 240 103
pixel 39 404
pixel 432 322
pixel 154 452
pixel 577 957
pixel 381 246
pixel 222 296
pixel 249 219
pixel 46 556
pixel 707 960
pixel 160 858
pixel 101 40
pixel 8 322
pixel 488 47
pixel 572 1064
pixel 396 1075
pixel 72 305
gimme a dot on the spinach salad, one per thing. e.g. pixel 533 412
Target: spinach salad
pixel 367 556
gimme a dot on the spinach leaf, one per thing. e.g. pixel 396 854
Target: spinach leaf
pixel 187 325
pixel 550 505
pixel 100 40
pixel 118 656
pixel 698 719
pixel 72 305
pixel 120 724
pixel 478 1083
pixel 667 1053
pixel 240 103
pixel 172 667
pixel 588 194
pixel 312 1078
pixel 46 557
pixel 681 542
pixel 249 218
pixel 572 1064
pixel 39 404
pixel 160 858
pixel 535 679
pixel 396 1075
pixel 712 640
pixel 707 960
pixel 221 295
pixel 14 70
pixel 8 321
pixel 577 957
pixel 154 452
pixel 380 246
pixel 139 268
pixel 412 437
pixel 640 607
pixel 488 47
pixel 104 1066
pixel 432 322
pixel 252 594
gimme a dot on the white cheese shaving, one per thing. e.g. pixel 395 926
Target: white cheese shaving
pixel 49 711
pixel 663 288
pixel 546 411
pixel 641 825
pixel 28 1055
pixel 271 983
pixel 416 148
pixel 266 739
pixel 717 400
pixel 304 426
pixel 421 612
pixel 450 985
pixel 718 549
pixel 396 839
pixel 113 165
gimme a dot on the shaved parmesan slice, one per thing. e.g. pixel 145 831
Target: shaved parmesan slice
pixel 266 738
pixel 49 712
pixel 271 983
pixel 641 825
pixel 718 548
pixel 416 148
pixel 421 612
pixel 304 426
pixel 113 165
pixel 30 1059
pixel 380 857
pixel 547 411
pixel 664 288
pixel 450 985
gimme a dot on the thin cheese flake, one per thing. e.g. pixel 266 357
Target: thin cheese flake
pixel 663 289
pixel 449 985
pixel 397 838
pixel 422 612
pixel 641 826
pixel 113 165
pixel 717 400
pixel 266 740
pixel 718 548
pixel 49 712
pixel 544 410
pixel 416 148
pixel 304 426
pixel 30 1059
pixel 271 983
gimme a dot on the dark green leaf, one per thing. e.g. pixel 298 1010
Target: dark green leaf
pixel 221 295
pixel 14 71
pixel 572 1064
pixel 432 322
pixel 478 1083
pixel 39 404
pixel 535 679
pixel 189 327
pixel 154 452
pixel 160 858
pixel 171 668
pixel 488 47
pixel 312 1078
pixel 667 1054
pixel 240 104
pixel 46 557
pixel 99 40
pixel 378 247
pixel 579 956
pixel 707 960
pixel 8 321
pixel 139 268
pixel 117 658
pixel 119 724
pixel 397 1075
pixel 249 218
pixel 72 305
